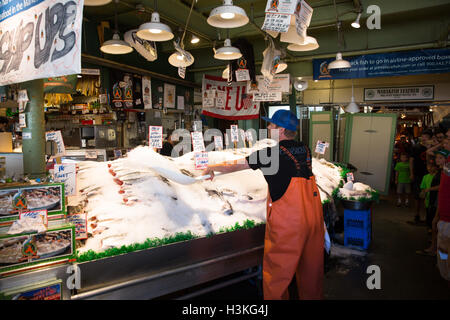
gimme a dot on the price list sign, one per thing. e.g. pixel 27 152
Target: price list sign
pixel 155 137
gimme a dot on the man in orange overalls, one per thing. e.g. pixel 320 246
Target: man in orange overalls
pixel 294 238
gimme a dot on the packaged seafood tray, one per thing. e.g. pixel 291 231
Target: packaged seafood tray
pixel 29 250
pixel 14 199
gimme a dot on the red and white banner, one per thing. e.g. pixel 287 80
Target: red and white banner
pixel 227 102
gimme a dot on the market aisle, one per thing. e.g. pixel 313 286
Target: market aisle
pixel 404 274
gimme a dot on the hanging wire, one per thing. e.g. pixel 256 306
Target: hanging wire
pixel 187 23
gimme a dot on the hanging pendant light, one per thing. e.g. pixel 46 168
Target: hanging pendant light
pixel 352 106
pixel 195 39
pixel 180 60
pixel 355 24
pixel 339 63
pixel 227 52
pixel 228 16
pixel 115 45
pixel 155 30
pixel 96 2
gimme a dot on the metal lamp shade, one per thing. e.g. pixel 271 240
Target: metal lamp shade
pixel 339 63
pixel 309 44
pixel 227 52
pixel 178 60
pixel 227 16
pixel 281 67
pixel 116 46
pixel 355 24
pixel 352 107
pixel 96 2
pixel 155 30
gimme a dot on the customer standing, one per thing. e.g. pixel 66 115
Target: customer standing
pixel 403 175
pixel 294 239
pixel 418 163
pixel 443 217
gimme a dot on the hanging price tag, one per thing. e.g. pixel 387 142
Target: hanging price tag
pixel 201 160
pixel 155 137
pixel 350 177
pixel 321 147
pixel 218 143
pixel 234 133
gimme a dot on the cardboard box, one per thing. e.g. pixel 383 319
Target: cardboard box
pixel 6 142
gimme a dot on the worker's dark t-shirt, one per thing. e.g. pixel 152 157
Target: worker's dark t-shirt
pixel 166 149
pixel 280 180
pixel 419 153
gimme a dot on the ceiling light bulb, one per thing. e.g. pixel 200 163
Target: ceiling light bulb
pixel 180 57
pixel 195 40
pixel 227 15
pixel 155 31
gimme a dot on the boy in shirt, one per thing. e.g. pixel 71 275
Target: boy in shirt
pixel 403 179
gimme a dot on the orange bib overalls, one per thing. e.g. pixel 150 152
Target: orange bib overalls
pixel 294 241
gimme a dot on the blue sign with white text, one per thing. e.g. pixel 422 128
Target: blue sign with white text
pixel 386 65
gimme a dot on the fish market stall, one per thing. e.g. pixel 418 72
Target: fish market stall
pixel 147 225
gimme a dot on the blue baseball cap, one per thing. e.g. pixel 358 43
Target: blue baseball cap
pixel 285 119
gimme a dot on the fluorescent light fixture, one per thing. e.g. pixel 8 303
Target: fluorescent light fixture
pixel 228 16
pixel 96 2
pixel 227 52
pixel 195 39
pixel 116 46
pixel 355 24
pixel 339 63
pixel 155 30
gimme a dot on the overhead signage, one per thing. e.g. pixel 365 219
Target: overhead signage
pixel 303 15
pixel 403 63
pixel 399 93
pixel 39 39
pixel 228 102
pixel 267 96
pixel 279 83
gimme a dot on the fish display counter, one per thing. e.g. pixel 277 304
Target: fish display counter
pixel 152 225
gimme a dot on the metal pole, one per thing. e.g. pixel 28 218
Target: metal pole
pixel 33 136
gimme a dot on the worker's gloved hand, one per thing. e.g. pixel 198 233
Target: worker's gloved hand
pixel 209 171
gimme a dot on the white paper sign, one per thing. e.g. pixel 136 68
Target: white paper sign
pixel 197 126
pixel 281 6
pixel 22 120
pixel 155 137
pixel 198 144
pixel 201 160
pixel 234 133
pixel 276 22
pixel 321 147
pixel 40 39
pixel 242 75
pixel 267 96
pixel 303 15
pixel 22 100
pixel 180 102
pixel 147 92
pixel 218 143
pixel 169 96
pixel 182 72
pixel 90 154
pixel 27 136
pixel 67 174
pixel 280 83
pixel 40 215
pixel 249 136
pixel 57 137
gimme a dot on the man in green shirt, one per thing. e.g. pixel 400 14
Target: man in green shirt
pixel 403 174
